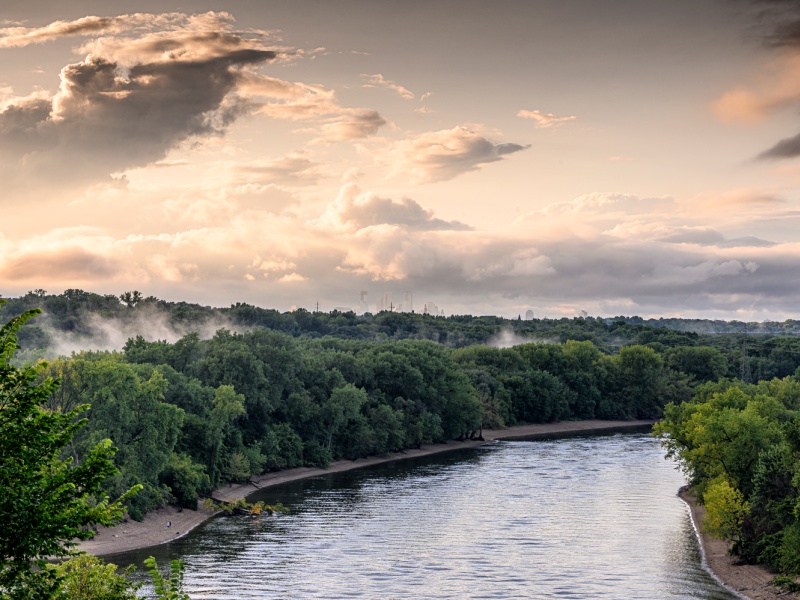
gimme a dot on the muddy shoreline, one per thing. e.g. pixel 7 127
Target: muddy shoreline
pixel 169 523
pixel 751 582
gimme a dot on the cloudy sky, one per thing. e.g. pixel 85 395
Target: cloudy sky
pixel 614 156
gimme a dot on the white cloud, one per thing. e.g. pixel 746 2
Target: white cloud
pixel 354 210
pixel 443 155
pixel 294 169
pixel 544 120
pixel 378 80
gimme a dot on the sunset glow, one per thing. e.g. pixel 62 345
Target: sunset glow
pixel 617 157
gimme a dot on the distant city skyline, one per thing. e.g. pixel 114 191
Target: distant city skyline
pixel 618 158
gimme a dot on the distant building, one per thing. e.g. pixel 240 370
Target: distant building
pixel 431 309
pixel 584 314
pixel 385 302
pixel 529 315
pixel 362 305
pixel 408 303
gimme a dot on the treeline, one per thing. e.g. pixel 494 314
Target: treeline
pixel 88 320
pixel 192 415
pixel 739 445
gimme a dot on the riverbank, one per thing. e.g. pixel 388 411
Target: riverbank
pixel 750 581
pixel 167 524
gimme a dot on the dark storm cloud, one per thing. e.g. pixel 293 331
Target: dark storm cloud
pixel 786 148
pixel 105 119
pixel 777 22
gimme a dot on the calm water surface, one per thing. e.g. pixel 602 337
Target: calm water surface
pixel 593 517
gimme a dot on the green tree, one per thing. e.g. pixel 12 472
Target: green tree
pixel 86 577
pixel 222 434
pixel 167 588
pixel 126 406
pixel 726 510
pixel 343 405
pixel 48 502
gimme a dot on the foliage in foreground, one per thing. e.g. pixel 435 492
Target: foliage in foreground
pixel 48 501
pixel 740 448
pixel 86 577
pixel 171 587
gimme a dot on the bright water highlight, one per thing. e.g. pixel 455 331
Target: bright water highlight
pixel 592 517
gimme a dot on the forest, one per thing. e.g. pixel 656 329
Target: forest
pixel 262 390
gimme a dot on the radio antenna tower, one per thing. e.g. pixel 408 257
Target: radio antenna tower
pixel 744 367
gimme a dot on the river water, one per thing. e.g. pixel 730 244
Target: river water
pixel 589 517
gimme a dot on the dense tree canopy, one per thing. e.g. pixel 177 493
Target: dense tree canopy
pixel 740 446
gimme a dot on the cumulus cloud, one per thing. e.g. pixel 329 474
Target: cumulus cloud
pixel 544 120
pixel 354 210
pixel 110 115
pixel 443 155
pixel 362 240
pixel 148 84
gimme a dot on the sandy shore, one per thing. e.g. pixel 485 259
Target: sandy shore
pixel 749 581
pixel 154 530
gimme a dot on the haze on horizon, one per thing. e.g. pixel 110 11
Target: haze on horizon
pixel 618 157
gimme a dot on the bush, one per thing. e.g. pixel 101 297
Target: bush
pixel 316 455
pixel 186 479
pixel 86 577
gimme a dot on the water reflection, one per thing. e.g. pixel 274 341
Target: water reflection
pixel 593 517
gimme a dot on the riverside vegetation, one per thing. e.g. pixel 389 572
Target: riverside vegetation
pixel 188 416
pixel 49 501
pixel 739 445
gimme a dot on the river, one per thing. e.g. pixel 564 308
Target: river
pixel 587 517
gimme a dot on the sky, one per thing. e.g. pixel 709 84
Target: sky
pixel 616 157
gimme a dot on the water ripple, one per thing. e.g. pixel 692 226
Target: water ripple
pixel 593 517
